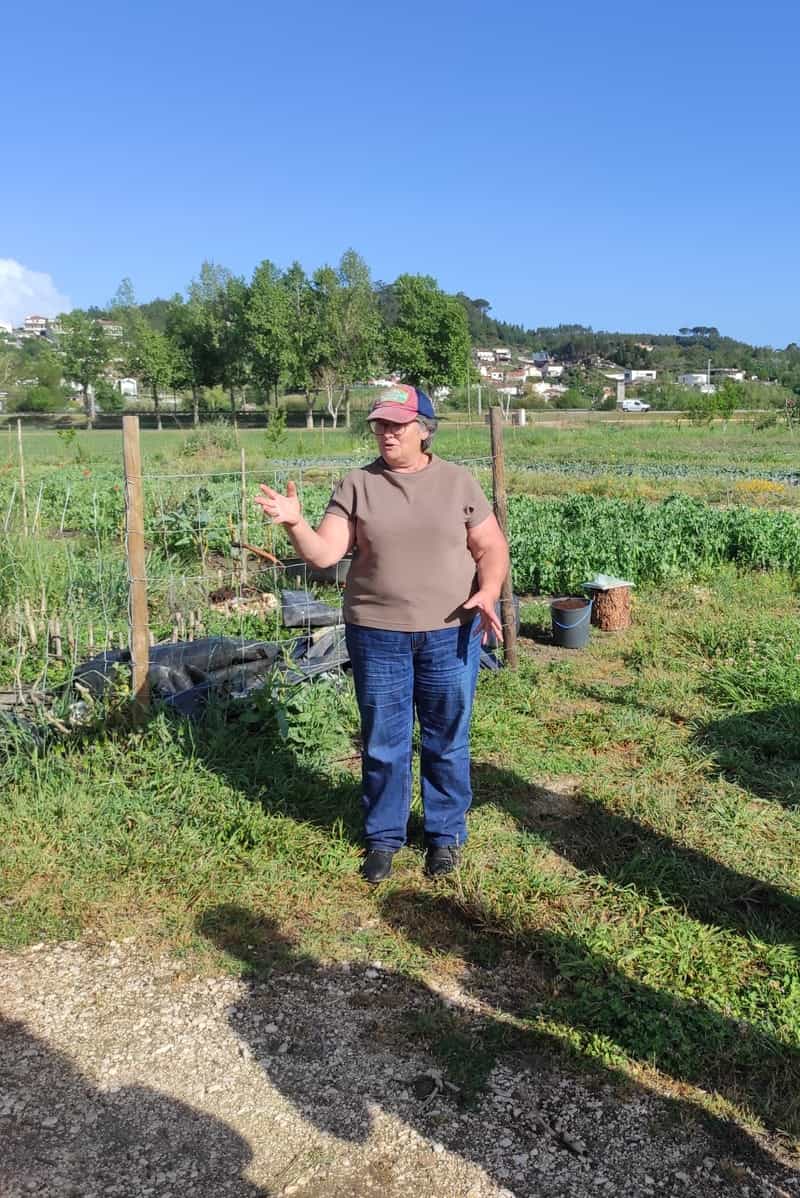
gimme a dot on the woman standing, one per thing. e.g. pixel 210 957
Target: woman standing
pixel 429 560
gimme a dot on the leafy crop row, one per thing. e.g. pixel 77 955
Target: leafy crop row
pixel 556 544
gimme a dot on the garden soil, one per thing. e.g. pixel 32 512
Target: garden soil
pixel 124 1074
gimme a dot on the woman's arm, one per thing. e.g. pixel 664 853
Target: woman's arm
pixel 322 548
pixel 489 550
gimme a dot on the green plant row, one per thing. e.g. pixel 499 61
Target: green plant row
pixel 557 544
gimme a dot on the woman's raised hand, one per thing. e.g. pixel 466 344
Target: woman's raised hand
pixel 282 509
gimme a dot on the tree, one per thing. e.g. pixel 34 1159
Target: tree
pixel 304 335
pixel 430 344
pixel 229 312
pixel 350 329
pixel 86 351
pixel 152 359
pixel 222 297
pixel 266 322
pixel 187 329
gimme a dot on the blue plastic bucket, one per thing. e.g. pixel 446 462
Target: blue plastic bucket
pixel 570 616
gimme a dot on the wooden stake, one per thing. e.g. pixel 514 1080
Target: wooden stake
pixel 243 534
pixel 507 613
pixel 22 491
pixel 90 639
pixel 30 626
pixel 137 579
pixel 56 639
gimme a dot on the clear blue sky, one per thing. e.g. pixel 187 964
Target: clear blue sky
pixel 625 165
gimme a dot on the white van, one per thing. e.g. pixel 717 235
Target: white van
pixel 634 405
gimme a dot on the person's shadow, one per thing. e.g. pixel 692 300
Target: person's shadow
pixel 627 852
pixel 759 750
pixel 352 1044
pixel 60 1135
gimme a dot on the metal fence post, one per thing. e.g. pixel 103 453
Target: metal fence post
pixel 139 638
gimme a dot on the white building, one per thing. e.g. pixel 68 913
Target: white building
pixel 552 370
pixel 727 372
pixel 110 327
pixel 640 376
pixel 484 355
pixel 128 388
pixel 693 378
pixel 502 355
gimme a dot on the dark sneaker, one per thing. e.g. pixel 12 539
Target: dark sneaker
pixel 442 859
pixel 377 866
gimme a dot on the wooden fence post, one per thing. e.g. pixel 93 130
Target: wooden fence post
pixel 23 495
pixel 507 613
pixel 139 638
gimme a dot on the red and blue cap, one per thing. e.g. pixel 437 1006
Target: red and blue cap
pixel 401 404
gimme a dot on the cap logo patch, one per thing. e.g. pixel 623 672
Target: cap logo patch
pixel 395 395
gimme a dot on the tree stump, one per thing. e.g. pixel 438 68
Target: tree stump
pixel 611 610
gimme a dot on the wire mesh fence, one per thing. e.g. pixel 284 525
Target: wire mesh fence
pixel 215 569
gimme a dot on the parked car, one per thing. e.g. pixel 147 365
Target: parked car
pixel 634 405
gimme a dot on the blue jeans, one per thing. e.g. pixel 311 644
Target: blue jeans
pixel 396 673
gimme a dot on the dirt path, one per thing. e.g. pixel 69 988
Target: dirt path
pixel 121 1075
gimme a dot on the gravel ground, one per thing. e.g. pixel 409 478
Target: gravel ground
pixel 124 1075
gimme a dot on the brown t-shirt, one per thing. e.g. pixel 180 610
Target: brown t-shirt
pixel 411 568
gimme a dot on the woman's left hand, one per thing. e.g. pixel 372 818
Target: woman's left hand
pixel 483 603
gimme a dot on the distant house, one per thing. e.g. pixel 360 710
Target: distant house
pixel 111 328
pixel 532 372
pixel 552 370
pixel 693 378
pixel 128 388
pixel 515 376
pixel 34 326
pixel 640 376
pixel 726 372
pixel 540 388
pixel 502 354
pixel 509 391
pixel 541 357
pixel 484 355
pixel 496 375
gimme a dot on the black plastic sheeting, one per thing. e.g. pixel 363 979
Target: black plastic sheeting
pixel 184 674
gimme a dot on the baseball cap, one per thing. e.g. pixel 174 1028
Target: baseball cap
pixel 401 404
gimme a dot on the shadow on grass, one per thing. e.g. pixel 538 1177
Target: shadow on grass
pixel 118 1140
pixel 350 1044
pixel 628 853
pixel 758 750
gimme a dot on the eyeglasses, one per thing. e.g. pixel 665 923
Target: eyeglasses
pixel 379 427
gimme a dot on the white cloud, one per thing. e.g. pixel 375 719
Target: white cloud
pixel 26 292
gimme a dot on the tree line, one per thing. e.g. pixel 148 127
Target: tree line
pixel 318 334
pixel 283 330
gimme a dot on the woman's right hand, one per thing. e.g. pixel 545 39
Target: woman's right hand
pixel 282 509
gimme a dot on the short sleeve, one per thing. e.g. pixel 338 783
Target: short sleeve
pixel 475 504
pixel 343 500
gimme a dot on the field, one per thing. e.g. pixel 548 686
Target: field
pixel 630 894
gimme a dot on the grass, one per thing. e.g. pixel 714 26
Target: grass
pixel 630 893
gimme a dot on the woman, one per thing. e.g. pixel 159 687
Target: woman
pixel 429 560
